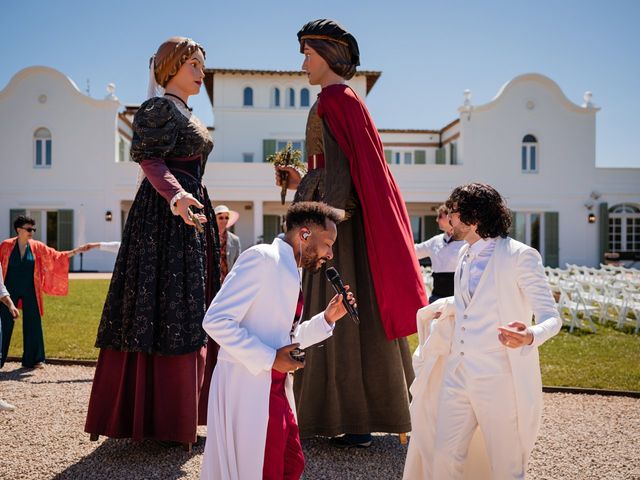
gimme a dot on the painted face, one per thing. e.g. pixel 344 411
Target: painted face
pixel 318 248
pixel 315 66
pixel 189 78
pixel 222 220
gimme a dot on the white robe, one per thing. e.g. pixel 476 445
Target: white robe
pixel 516 271
pixel 250 318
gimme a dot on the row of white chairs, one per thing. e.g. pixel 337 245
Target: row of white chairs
pixel 585 296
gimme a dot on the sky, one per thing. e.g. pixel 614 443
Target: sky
pixel 429 52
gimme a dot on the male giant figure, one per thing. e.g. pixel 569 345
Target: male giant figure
pixel 480 366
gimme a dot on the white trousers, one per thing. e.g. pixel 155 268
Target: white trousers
pixel 472 396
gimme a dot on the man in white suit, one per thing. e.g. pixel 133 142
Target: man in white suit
pixel 252 431
pixel 490 372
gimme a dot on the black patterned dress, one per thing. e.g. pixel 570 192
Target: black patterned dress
pixel 150 377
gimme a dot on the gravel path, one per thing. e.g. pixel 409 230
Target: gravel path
pixel 583 437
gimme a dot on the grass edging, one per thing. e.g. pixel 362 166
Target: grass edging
pixel 546 389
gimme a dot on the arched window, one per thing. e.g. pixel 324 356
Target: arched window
pixel 624 228
pixel 291 97
pixel 304 97
pixel 529 153
pixel 275 97
pixel 247 97
pixel 42 148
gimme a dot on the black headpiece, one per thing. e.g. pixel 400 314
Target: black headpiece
pixel 331 31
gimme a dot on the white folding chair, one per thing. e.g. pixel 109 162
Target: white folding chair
pixel 572 303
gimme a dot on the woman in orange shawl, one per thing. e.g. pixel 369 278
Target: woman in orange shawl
pixel 31 268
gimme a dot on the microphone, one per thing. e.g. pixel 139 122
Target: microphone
pixel 336 282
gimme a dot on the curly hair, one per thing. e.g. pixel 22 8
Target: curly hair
pixel 303 214
pixel 481 204
pixel 21 221
pixel 171 55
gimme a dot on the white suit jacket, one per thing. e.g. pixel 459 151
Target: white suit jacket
pixel 516 271
pixel 250 318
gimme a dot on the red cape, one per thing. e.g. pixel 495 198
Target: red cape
pixel 394 267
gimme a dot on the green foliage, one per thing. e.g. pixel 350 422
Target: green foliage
pixel 288 157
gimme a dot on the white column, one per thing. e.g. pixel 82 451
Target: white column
pixel 258 221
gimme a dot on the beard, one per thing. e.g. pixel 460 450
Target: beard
pixel 313 263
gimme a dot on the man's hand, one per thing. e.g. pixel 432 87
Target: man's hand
pixel 294 177
pixel 182 206
pixel 336 309
pixel 515 335
pixel 283 362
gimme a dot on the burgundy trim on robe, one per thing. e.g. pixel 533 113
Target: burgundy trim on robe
pixel 156 396
pixel 396 275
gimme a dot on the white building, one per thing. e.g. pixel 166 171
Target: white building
pixel 65 159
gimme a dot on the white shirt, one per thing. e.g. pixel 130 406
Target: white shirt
pixel 476 259
pixel 444 256
pixel 112 247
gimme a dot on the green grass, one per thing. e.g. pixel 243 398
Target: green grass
pixel 70 323
pixel 607 359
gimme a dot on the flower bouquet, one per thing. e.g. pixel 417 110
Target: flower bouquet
pixel 287 157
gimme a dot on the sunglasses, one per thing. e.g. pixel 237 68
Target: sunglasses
pixel 223 218
pixel 29 229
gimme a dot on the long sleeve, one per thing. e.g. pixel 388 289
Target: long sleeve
pixel 424 249
pixel 112 247
pixel 313 331
pixel 533 283
pixel 155 132
pixel 223 320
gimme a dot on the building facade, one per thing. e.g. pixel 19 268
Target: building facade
pixel 65 158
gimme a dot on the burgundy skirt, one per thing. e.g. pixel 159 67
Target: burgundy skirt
pixel 144 396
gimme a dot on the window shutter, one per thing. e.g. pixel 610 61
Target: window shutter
pixel 13 214
pixel 388 156
pixel 551 239
pixel 441 156
pixel 604 229
pixel 454 153
pixel 268 148
pixel 271 227
pixel 419 157
pixel 65 230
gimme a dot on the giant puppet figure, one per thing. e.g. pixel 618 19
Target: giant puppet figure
pixel 357 381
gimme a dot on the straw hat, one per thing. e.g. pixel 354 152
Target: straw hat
pixel 233 215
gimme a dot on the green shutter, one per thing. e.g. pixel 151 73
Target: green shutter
pixel 430 227
pixel 268 148
pixel 65 230
pixel 551 239
pixel 419 157
pixel 13 214
pixel 441 156
pixel 271 227
pixel 454 153
pixel 388 156
pixel 604 230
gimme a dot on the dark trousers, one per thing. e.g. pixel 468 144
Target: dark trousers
pixel 32 336
pixel 283 457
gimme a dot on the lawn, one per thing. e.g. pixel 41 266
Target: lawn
pixel 70 323
pixel 607 359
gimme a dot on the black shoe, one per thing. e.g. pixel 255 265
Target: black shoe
pixel 350 440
